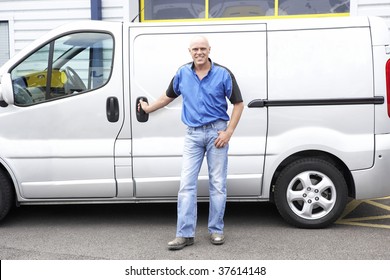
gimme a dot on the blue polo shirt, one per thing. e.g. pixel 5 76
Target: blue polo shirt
pixel 204 101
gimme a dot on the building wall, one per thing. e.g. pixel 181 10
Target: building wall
pixel 29 19
pixel 4 42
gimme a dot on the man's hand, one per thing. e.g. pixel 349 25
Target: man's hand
pixel 162 101
pixel 144 105
pixel 223 138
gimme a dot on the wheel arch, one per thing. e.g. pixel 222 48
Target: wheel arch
pixel 321 155
pixel 11 180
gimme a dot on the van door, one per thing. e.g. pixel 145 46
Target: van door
pixel 156 54
pixel 60 132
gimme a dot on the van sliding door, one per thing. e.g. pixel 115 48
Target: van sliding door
pixel 156 55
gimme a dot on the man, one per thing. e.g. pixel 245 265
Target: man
pixel 204 86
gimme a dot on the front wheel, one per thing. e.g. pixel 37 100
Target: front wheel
pixel 311 193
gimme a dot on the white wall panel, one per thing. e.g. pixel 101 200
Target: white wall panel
pixel 113 10
pixel 4 42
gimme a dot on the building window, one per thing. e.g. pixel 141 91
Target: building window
pixel 4 42
pixel 157 10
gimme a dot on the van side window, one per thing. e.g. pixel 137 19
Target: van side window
pixel 70 65
pixel 228 9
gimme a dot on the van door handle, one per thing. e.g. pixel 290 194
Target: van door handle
pixel 112 109
pixel 257 103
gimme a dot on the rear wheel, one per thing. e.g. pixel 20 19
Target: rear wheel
pixel 311 193
pixel 6 195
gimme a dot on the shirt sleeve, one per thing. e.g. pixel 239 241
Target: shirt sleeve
pixel 171 91
pixel 235 97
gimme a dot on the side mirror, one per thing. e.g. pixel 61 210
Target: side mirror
pixel 6 89
pixel 141 115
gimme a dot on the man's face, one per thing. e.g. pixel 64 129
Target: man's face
pixel 199 50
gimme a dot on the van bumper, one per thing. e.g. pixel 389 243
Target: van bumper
pixel 375 182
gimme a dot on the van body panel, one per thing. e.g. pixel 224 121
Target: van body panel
pixel 305 59
pixel 374 182
pixel 346 131
pixel 328 130
pixel 68 152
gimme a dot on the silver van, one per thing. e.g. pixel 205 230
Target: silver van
pixel 315 130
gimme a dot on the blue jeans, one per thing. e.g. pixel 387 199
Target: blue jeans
pixel 198 143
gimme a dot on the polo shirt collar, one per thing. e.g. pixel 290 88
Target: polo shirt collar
pixel 211 65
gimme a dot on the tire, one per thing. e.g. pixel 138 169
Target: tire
pixel 6 195
pixel 311 193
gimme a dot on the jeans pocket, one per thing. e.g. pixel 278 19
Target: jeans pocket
pixel 220 126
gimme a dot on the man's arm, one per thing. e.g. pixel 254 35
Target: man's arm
pixel 162 101
pixel 224 136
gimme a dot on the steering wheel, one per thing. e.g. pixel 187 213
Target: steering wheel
pixel 22 95
pixel 74 82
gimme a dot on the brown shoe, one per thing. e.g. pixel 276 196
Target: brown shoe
pixel 180 242
pixel 217 239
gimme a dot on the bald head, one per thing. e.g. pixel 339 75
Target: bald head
pixel 199 40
